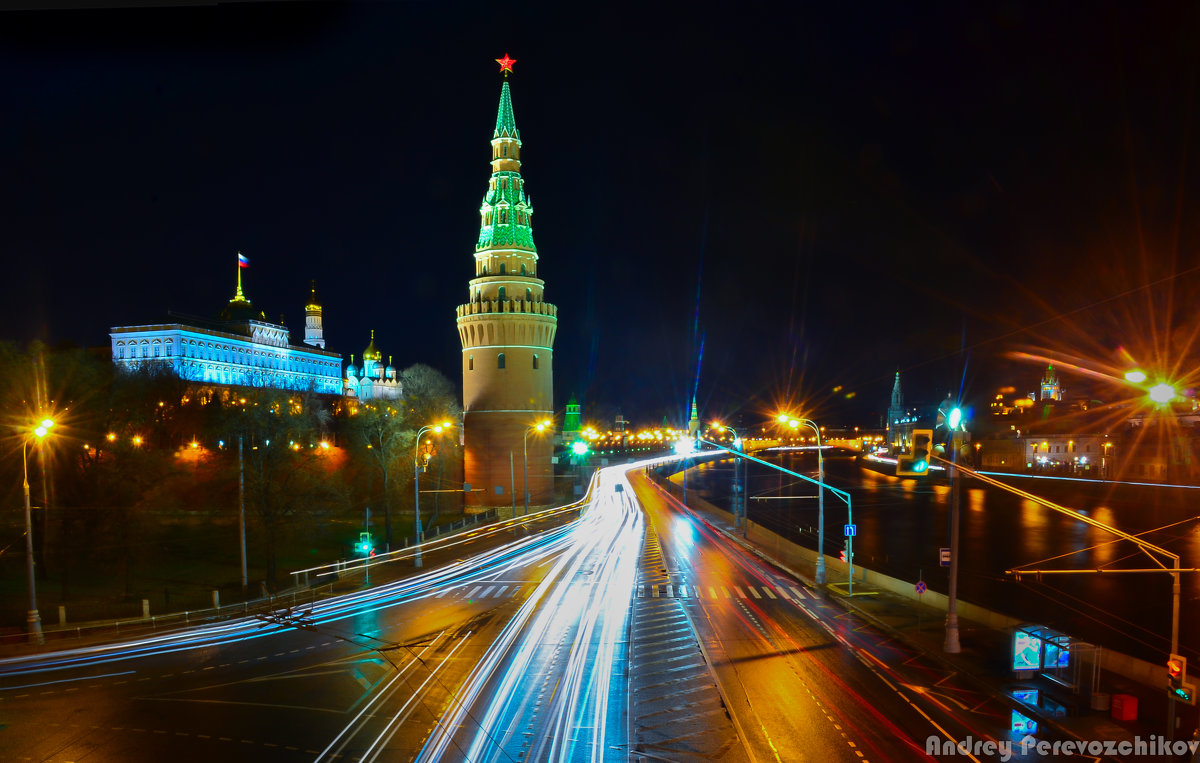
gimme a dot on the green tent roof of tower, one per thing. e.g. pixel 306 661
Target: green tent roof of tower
pixel 506 123
pixel 511 211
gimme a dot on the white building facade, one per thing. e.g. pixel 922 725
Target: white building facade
pixel 239 348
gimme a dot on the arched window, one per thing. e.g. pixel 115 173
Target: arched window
pixel 470 362
pixel 523 268
pixel 503 268
pixel 500 360
pixel 501 295
pixel 535 362
pixel 529 295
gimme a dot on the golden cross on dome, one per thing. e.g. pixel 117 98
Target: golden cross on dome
pixel 506 64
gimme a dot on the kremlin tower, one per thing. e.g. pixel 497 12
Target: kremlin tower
pixel 507 335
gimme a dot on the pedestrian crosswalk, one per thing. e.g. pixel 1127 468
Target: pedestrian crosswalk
pixel 686 591
pixel 471 592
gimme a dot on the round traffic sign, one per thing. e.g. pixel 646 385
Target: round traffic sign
pixel 921 586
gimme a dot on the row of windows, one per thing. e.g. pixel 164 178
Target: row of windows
pixel 500 361
pixel 1064 449
pixel 504 269
pixel 502 294
pixel 224 354
pixel 521 218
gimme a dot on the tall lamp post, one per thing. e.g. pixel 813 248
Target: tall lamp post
pixel 541 426
pixel 739 496
pixel 436 429
pixel 34 620
pixel 795 423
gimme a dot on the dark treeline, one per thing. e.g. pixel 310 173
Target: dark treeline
pixel 130 453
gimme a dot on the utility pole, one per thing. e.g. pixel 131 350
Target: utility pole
pixel 952 645
pixel 242 513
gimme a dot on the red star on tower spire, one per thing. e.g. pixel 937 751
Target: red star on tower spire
pixel 506 64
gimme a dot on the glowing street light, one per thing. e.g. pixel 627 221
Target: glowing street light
pixel 541 426
pixel 1162 393
pixel 436 429
pixel 1136 376
pixel 33 619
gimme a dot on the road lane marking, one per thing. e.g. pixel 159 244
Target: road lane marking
pixel 713 591
pixel 767 591
pixel 443 593
pixel 474 590
pixel 794 590
pixel 741 594
pixel 501 591
pixel 726 590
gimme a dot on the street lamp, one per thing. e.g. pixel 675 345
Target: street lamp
pixel 34 620
pixel 795 423
pixel 436 429
pixel 541 426
pixel 739 497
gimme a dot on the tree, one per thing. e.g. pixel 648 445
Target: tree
pixel 385 436
pixel 429 398
pixel 284 480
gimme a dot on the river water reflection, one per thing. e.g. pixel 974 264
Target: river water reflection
pixel 901 524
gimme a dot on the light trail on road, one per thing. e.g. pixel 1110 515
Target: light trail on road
pixel 464 572
pixel 581 607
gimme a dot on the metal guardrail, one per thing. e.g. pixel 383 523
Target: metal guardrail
pixel 187 618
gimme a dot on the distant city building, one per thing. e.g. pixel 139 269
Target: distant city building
pixel 373 381
pixel 238 347
pixel 507 333
pixel 694 421
pixel 900 420
pixel 1051 389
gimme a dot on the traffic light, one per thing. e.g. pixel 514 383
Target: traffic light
pixel 364 544
pixel 1176 671
pixel 1185 694
pixel 916 463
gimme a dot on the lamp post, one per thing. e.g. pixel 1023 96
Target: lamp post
pixel 34 620
pixel 794 423
pixel 435 428
pixel 539 427
pixel 739 496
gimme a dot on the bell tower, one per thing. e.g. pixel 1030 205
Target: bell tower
pixel 507 334
pixel 314 330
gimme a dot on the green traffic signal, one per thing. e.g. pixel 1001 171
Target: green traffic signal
pixel 579 448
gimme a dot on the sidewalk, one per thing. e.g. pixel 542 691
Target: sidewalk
pixel 984 659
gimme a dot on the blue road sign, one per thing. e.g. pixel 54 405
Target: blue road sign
pixel 944 557
pixel 851 531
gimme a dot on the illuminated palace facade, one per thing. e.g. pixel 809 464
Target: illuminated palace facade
pixel 239 347
pixel 507 334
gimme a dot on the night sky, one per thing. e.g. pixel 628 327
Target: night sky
pixel 817 197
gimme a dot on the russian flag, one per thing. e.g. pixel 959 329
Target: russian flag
pixel 243 261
